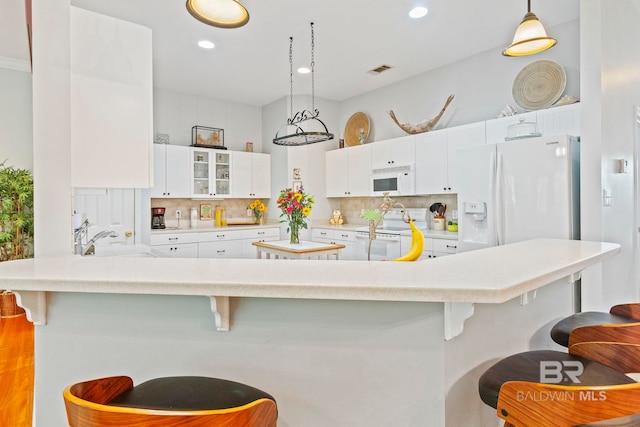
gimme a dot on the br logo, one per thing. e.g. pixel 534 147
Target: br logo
pixel 556 372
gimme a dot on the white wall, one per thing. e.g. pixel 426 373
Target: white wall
pixel 176 113
pixel 16 136
pixel 611 90
pixel 482 85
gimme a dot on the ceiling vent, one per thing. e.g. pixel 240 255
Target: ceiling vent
pixel 379 70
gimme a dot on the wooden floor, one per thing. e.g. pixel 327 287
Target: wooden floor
pixel 17 364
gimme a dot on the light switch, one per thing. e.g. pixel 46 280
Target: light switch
pixel 606 197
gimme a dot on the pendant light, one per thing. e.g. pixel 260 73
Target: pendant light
pixel 304 127
pixel 219 13
pixel 530 37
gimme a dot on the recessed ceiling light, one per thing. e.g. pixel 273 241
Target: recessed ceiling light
pixel 418 12
pixel 206 44
pixel 304 70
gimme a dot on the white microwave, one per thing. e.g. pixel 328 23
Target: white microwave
pixel 397 181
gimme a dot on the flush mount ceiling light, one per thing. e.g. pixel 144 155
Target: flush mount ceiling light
pixel 530 37
pixel 304 127
pixel 418 12
pixel 219 13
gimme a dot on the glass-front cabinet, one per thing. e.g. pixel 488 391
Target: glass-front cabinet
pixel 210 173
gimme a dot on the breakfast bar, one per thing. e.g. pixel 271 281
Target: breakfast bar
pixel 397 343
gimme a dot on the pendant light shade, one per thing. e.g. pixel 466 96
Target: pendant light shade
pixel 219 13
pixel 530 37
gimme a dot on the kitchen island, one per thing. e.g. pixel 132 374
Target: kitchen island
pixel 337 343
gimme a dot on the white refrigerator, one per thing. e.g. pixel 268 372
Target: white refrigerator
pixel 518 190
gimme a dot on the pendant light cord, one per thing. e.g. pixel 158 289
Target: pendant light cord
pixel 291 77
pixel 313 65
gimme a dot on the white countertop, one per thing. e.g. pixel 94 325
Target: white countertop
pixel 492 275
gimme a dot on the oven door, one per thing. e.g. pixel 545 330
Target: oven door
pixel 385 247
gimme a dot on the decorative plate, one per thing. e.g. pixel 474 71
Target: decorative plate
pixel 352 129
pixel 539 85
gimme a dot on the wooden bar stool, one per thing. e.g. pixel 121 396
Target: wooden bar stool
pixel 583 386
pixel 171 401
pixel 622 313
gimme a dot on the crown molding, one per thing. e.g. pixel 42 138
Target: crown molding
pixel 15 64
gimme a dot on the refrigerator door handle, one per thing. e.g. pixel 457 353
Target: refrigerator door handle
pixel 499 207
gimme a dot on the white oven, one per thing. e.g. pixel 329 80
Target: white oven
pixel 397 181
pixel 385 247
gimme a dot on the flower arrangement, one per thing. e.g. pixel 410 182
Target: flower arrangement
pixel 258 208
pixel 296 207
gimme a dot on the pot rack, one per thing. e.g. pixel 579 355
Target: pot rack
pixel 300 136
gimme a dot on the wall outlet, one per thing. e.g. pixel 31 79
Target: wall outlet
pixel 178 214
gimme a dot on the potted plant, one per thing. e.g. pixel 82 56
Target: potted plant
pixel 16 213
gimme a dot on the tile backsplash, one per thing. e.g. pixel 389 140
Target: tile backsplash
pixel 350 207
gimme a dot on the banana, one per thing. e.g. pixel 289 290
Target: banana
pixel 417 244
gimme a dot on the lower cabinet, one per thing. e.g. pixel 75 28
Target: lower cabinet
pixel 220 244
pixel 175 245
pixel 433 247
pixel 336 236
pixel 257 235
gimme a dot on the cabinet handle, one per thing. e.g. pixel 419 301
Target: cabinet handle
pixel 222 251
pixel 260 232
pixel 451 246
pixel 220 236
pixel 173 238
pixel 344 235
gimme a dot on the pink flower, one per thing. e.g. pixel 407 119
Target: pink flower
pixel 289 210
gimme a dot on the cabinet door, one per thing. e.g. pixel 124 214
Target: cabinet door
pixel 160 171
pixel 337 174
pixel 224 249
pixel 404 151
pixel 241 175
pixel 202 166
pixel 177 171
pixel 261 176
pixel 431 162
pixel 221 173
pixel 461 137
pixel 188 250
pixel 111 96
pixel 358 170
pixel 559 120
pixel 393 152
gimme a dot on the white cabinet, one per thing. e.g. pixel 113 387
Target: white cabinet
pixel 461 137
pixel 175 245
pixel 170 171
pixel 210 173
pixel 431 162
pixel 433 247
pixel 550 121
pixel 250 175
pixel 337 236
pixel 436 156
pixel 220 244
pixel 348 171
pixel 257 235
pixel 393 152
pixel 111 102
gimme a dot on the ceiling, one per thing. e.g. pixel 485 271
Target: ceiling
pixel 250 65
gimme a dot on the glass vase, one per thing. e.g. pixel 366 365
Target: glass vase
pixel 294 229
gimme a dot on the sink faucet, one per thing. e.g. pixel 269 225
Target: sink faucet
pixel 89 248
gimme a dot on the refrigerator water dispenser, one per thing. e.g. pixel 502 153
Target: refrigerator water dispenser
pixel 477 210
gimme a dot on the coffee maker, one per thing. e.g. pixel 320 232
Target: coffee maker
pixel 157 218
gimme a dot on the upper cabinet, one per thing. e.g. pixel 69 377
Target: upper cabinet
pixel 210 173
pixel 171 171
pixel 250 175
pixel 436 156
pixel 348 171
pixel 550 121
pixel 393 152
pixel 111 102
